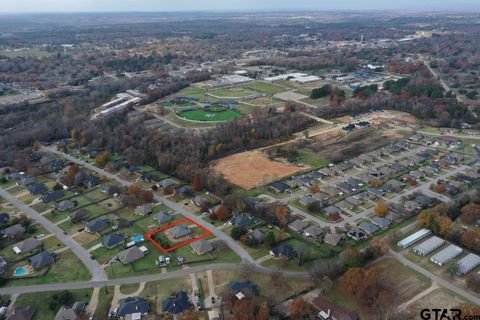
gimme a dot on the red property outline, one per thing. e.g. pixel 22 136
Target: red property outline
pixel 149 234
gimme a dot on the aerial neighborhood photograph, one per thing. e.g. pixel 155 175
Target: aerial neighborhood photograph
pixel 240 160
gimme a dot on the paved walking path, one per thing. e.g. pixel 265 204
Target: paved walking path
pixel 92 305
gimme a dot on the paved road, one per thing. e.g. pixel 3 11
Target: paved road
pixel 139 279
pixel 461 292
pixel 95 269
pixel 235 246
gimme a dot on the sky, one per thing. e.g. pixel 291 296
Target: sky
pixel 28 6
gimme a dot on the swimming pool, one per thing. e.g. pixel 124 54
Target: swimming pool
pixel 20 271
pixel 138 238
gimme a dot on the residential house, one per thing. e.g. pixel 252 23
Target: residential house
pixel 163 217
pixel 27 246
pixel 200 202
pixel 357 234
pixel 98 225
pixel 133 308
pixel 71 313
pixel 130 255
pixel 393 186
pixel 22 313
pixel 144 209
pixel 313 232
pixel 65 205
pixel 4 217
pixel 307 201
pixel 37 188
pixel 368 227
pixel 344 205
pixel 78 216
pixel 42 260
pixel 383 223
pixel 184 191
pixel 283 250
pixel 377 192
pixel 353 200
pixel 332 210
pixel 202 246
pixel 15 231
pixel 298 225
pixel 165 183
pixel 52 196
pixel 240 221
pixel 246 287
pixel 332 239
pixel 180 231
pixel 280 187
pixel 176 303
pixel 257 235
pixel 151 177
pixel 25 181
pixel 112 240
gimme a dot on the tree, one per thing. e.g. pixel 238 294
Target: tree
pixel 314 188
pixel 452 269
pixel 147 196
pixel 473 281
pixel 197 183
pixel 321 92
pixel 102 159
pixel 281 213
pixel 351 281
pixel 222 213
pixel 381 209
pixel 377 183
pixel 470 213
pixel 270 239
pixel 299 309
pixel 237 232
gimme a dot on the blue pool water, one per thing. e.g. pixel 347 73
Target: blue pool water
pixel 20 271
pixel 138 238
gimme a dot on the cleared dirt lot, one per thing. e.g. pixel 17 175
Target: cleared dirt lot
pixel 339 147
pixel 252 169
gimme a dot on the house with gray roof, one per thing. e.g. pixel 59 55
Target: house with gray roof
pixel 130 255
pixel 22 313
pixel 202 246
pixel 307 200
pixel 163 217
pixel 98 225
pixel 332 239
pixel 368 227
pixel 353 200
pixel 37 189
pixel 344 205
pixel 71 313
pixel 381 222
pixel 200 201
pixel 112 240
pixel 79 215
pixel 313 231
pixel 257 235
pixel 144 210
pixel 180 231
pixel 298 225
pixel 65 205
pixel 42 260
pixel 15 231
pixel 133 308
pixel 27 246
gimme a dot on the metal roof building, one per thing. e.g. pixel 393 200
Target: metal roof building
pixel 428 246
pixel 468 263
pixel 446 254
pixel 411 239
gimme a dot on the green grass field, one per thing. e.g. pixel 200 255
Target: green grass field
pixel 234 92
pixel 41 301
pixel 202 115
pixel 267 88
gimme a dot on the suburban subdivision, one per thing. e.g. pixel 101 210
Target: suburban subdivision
pixel 245 165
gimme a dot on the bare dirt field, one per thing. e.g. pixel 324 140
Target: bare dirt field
pixel 440 298
pixel 252 169
pixel 339 148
